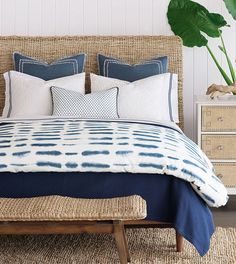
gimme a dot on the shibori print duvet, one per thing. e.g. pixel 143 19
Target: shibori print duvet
pixel 107 145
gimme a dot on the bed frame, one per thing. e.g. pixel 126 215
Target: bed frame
pixel 132 49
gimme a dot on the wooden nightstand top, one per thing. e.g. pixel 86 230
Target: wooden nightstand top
pixel 223 100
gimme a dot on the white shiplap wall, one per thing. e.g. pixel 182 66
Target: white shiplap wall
pixel 119 17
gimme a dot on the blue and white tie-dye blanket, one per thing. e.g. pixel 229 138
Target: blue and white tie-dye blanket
pixel 107 145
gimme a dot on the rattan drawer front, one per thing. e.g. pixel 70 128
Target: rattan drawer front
pixel 227 173
pixel 221 147
pixel 218 118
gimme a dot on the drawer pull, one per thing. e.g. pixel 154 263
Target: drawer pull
pixel 220 175
pixel 220 147
pixel 220 119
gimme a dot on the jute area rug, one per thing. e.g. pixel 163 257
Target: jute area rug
pixel 146 246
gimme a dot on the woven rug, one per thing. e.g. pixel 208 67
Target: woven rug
pixel 146 246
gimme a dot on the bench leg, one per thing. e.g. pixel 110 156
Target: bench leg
pixel 121 242
pixel 179 242
pixel 126 245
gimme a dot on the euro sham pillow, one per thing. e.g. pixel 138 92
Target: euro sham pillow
pixel 154 98
pixel 99 105
pixel 115 68
pixel 60 68
pixel 28 96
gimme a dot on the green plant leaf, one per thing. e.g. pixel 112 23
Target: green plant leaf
pixel 231 68
pixel 231 6
pixel 190 21
pixel 223 73
pixel 222 49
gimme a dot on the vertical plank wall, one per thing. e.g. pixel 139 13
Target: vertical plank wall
pixel 119 17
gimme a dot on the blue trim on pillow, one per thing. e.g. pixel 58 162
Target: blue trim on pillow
pixel 10 95
pixel 169 97
pixel 117 104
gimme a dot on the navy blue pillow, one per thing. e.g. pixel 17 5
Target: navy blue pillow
pixel 57 69
pixel 115 68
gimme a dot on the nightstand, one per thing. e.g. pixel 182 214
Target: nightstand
pixel 216 135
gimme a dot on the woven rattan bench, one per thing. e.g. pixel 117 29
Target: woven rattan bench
pixel 60 215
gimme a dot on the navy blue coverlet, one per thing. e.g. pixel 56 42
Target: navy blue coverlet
pixel 168 199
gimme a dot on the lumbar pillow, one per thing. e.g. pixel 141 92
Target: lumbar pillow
pixel 154 98
pixel 27 95
pixel 57 69
pixel 96 105
pixel 115 68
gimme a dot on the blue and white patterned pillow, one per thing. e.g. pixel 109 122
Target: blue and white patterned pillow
pixel 57 69
pixel 100 105
pixel 115 68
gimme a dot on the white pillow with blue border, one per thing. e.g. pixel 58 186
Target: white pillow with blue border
pixel 29 96
pixel 153 99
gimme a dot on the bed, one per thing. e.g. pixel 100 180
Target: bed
pixel 171 201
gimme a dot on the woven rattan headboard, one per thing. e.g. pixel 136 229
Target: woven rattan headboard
pixel 129 48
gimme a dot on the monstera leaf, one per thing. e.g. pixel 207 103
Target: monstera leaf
pixel 190 21
pixel 231 6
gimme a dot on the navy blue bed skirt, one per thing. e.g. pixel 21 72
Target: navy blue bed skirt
pixel 168 199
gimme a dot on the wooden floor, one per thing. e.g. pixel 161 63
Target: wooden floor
pixel 226 216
